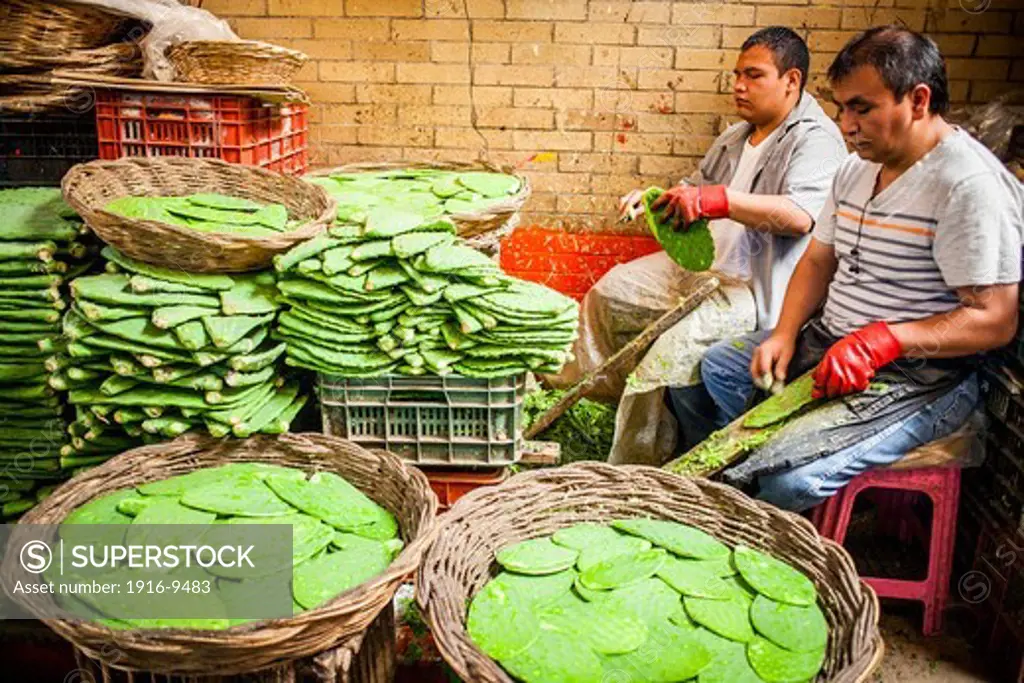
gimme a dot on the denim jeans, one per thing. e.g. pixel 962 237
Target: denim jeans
pixel 725 371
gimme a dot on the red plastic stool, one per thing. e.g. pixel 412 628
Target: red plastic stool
pixel 942 485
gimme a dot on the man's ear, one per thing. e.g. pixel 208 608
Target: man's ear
pixel 793 78
pixel 920 99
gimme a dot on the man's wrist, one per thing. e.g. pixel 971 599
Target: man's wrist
pixel 731 198
pixel 787 332
pixel 884 344
pixel 713 201
pixel 899 332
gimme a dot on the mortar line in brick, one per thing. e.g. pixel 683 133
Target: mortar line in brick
pixel 473 112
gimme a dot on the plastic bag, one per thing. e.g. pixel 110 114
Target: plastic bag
pixel 674 358
pixel 171 23
pixel 620 306
pixel 645 430
pixel 994 123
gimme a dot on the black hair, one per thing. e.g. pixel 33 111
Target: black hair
pixel 903 58
pixel 788 49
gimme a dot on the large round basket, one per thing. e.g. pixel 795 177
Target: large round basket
pixel 482 230
pixel 47 28
pixel 234 62
pixel 368 657
pixel 91 186
pixel 259 645
pixel 539 503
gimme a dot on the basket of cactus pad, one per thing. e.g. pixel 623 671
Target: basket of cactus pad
pixel 196 215
pixel 592 573
pixel 360 523
pixel 483 200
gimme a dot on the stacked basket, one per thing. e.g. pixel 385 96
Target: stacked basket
pixel 41 36
pixel 448 326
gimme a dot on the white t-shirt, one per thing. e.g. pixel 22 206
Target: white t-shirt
pixel 766 261
pixel 732 247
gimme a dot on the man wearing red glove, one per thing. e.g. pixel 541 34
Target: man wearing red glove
pixel 761 183
pixel 685 204
pixel 852 362
pixel 911 273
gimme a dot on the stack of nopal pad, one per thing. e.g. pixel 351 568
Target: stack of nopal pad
pixel 158 352
pixel 401 294
pixel 41 246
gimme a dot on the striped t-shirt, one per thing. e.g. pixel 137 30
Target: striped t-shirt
pixel 953 219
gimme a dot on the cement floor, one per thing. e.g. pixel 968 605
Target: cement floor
pixel 912 658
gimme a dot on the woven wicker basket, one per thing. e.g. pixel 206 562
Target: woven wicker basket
pixel 483 231
pixel 539 503
pixel 35 93
pixel 117 59
pixel 234 62
pixel 90 187
pixel 259 645
pixel 30 102
pixel 46 28
pixel 368 657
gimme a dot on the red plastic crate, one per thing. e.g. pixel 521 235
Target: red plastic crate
pixel 239 130
pixel 569 262
pixel 450 485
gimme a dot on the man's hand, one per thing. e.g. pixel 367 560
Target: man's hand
pixel 630 206
pixel 853 360
pixel 771 359
pixel 685 204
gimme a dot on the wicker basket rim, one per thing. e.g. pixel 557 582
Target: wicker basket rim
pixel 252 48
pixel 327 215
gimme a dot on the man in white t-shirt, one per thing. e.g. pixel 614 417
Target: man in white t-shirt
pixel 761 183
pixel 912 272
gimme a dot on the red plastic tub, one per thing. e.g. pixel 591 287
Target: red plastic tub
pixel 569 262
pixel 450 485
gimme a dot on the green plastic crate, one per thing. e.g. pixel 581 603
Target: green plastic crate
pixel 439 421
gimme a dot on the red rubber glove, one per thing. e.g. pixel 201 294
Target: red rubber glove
pixel 688 203
pixel 853 360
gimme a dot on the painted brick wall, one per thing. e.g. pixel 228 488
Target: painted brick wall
pixel 590 98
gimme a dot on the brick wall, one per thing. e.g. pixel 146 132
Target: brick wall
pixel 590 98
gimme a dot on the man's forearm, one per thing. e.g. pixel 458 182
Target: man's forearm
pixel 807 289
pixel 775 214
pixel 986 320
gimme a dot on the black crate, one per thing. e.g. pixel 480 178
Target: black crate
pixel 39 150
pixel 1004 656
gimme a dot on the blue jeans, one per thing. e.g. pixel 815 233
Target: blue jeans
pixel 725 371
